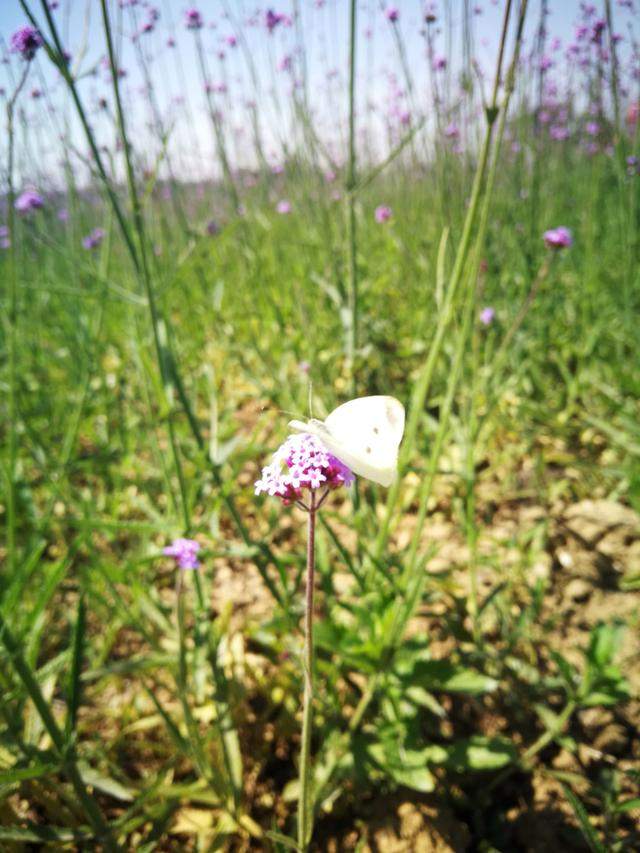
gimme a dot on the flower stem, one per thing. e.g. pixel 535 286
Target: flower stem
pixel 305 815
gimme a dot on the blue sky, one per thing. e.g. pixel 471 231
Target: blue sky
pixel 176 75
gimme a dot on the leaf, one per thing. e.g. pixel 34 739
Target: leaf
pixel 452 678
pixel 20 774
pixel 589 833
pixel 74 689
pixel 628 805
pixel 481 753
pixel 285 840
pixel 31 832
pixel 105 783
pixel 604 643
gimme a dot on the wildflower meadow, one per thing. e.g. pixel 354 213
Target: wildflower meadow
pixel 320 425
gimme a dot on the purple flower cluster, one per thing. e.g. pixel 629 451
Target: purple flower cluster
pixel 558 238
pixel 29 201
pixel 487 315
pixel 26 41
pixel 193 19
pixel 283 206
pixel 383 213
pixel 274 19
pixel 302 462
pixel 93 239
pixel 184 551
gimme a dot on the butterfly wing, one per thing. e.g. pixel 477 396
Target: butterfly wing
pixel 365 434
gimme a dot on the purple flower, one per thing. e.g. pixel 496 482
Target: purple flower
pixel 487 316
pixel 5 242
pixel 302 462
pixel 392 14
pixel 383 213
pixel 26 41
pixel 559 132
pixel 593 128
pixel 193 19
pixel 283 206
pixel 93 240
pixel 184 551
pixel 273 19
pixel 452 131
pixel 439 63
pixel 63 214
pixel 212 228
pixel 28 201
pixel 558 238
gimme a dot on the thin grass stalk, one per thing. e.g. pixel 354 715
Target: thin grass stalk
pixel 423 383
pixel 373 682
pixel 264 554
pixel 305 805
pixel 62 747
pixel 138 221
pixel 352 293
pixel 13 329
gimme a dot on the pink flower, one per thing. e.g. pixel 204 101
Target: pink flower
pixel 302 462
pixel 184 551
pixel 392 14
pixel 558 238
pixel 283 206
pixel 383 213
pixel 487 316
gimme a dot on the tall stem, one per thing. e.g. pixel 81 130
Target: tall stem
pixel 352 341
pixel 305 813
pixel 12 336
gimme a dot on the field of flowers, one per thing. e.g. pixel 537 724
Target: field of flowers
pixel 415 627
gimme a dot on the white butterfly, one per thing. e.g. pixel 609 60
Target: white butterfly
pixel 364 434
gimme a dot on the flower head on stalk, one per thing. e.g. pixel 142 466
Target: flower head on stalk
pixel 558 238
pixel 26 41
pixel 302 462
pixel 184 552
pixel 28 201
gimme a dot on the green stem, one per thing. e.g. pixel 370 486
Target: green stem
pixel 305 807
pixel 13 336
pixel 62 747
pixel 352 341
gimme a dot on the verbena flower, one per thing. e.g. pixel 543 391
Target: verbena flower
pixel 283 206
pixel 94 239
pixel 302 462
pixel 558 238
pixel 383 213
pixel 392 14
pixel 184 551
pixel 28 201
pixel 193 19
pixel 26 42
pixel 487 315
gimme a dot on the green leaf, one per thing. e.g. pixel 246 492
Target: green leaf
pixel 20 774
pixel 628 805
pixel 589 833
pixel 105 783
pixel 285 840
pixel 452 678
pixel 603 644
pixel 74 689
pixel 481 753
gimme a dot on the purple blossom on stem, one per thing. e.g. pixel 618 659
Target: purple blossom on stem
pixel 193 19
pixel 487 315
pixel 26 42
pixel 184 551
pixel 558 238
pixel 93 239
pixel 302 462
pixel 283 206
pixel 392 14
pixel 29 201
pixel 383 213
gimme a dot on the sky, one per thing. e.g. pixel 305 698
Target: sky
pixel 179 104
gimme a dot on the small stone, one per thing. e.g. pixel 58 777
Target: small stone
pixel 578 590
pixel 612 740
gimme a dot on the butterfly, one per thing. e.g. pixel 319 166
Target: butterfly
pixel 364 434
